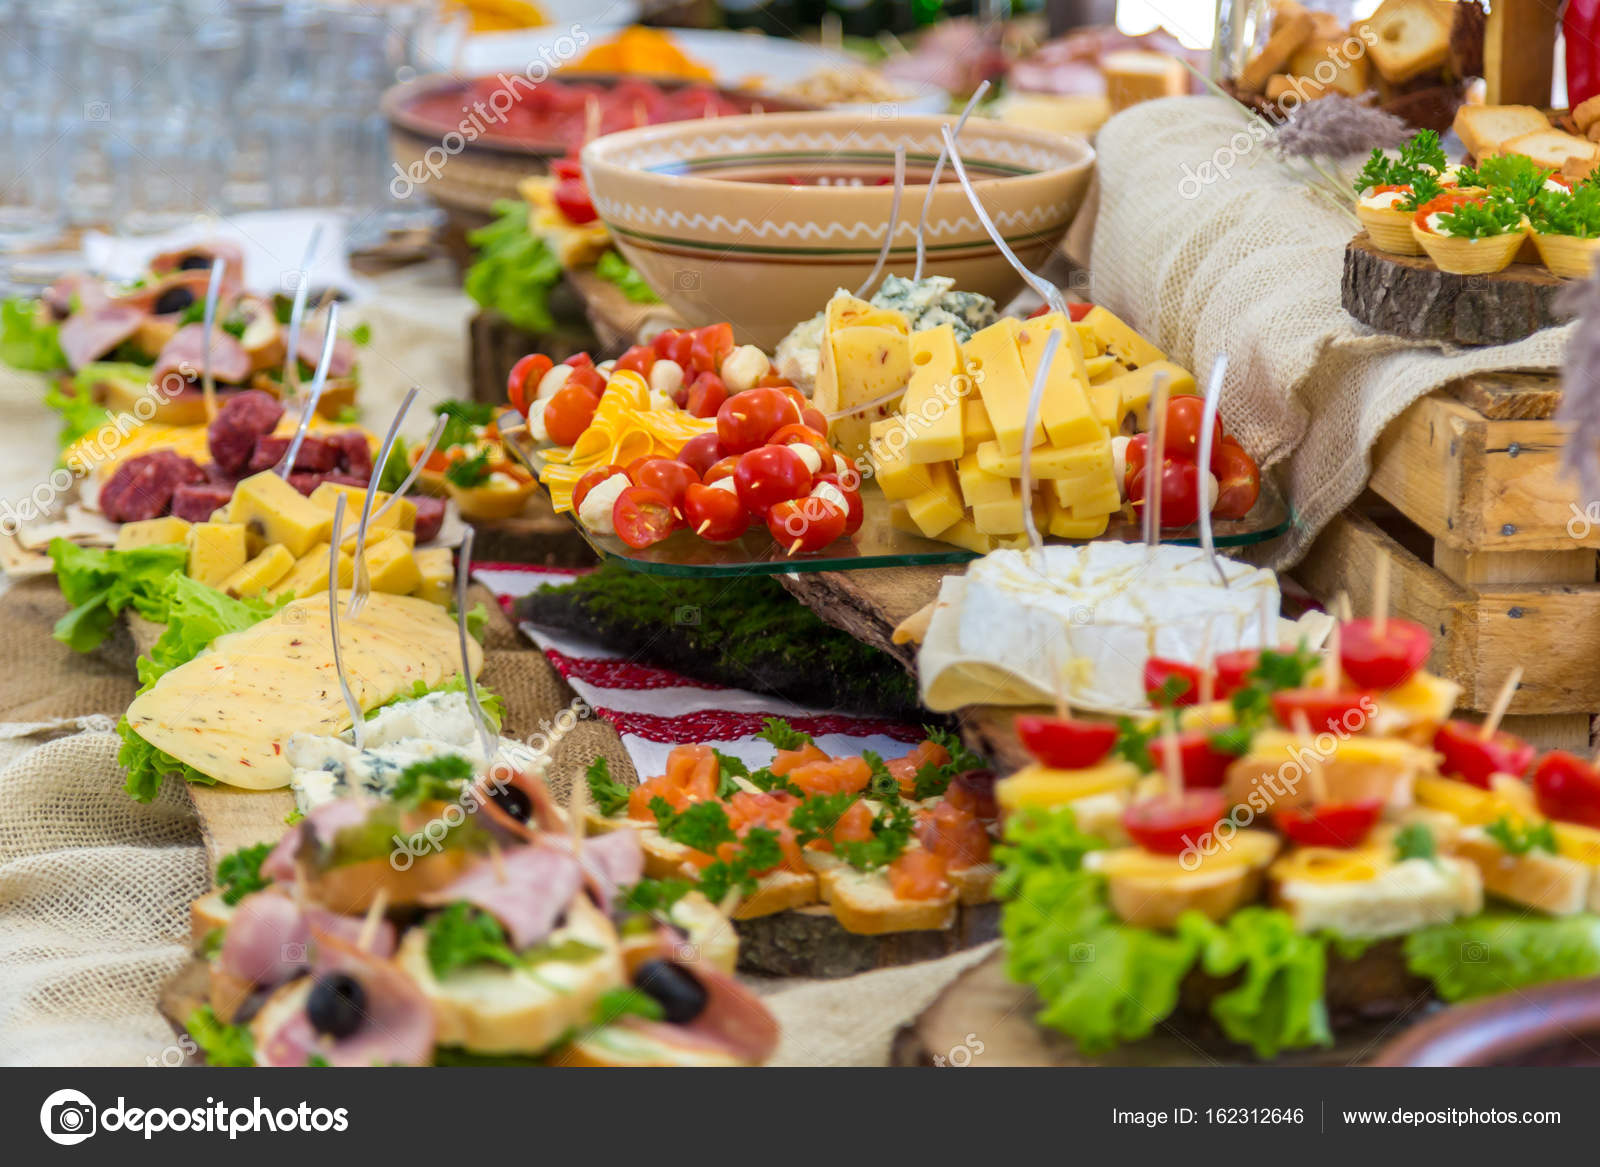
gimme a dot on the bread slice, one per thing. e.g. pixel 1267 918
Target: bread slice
pixel 1587 113
pixel 1392 899
pixel 206 915
pixel 1291 26
pixel 1152 891
pixel 1280 85
pixel 1550 148
pixel 864 903
pixel 491 1009
pixel 1482 128
pixel 975 884
pixel 1312 61
pixel 1406 38
pixel 1553 884
pixel 709 937
pixel 623 1047
pixel 1135 75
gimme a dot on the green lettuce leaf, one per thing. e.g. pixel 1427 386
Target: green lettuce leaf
pixel 195 615
pixel 515 270
pixel 80 414
pixel 148 767
pixel 28 340
pixel 100 583
pixel 1278 1003
pixel 614 269
pixel 1497 952
pixel 223 1045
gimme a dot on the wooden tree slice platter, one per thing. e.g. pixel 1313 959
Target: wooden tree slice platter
pixel 1408 296
pixel 810 942
pixel 984 1019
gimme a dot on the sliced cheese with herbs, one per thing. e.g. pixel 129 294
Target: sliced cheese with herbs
pixel 865 357
pixel 229 711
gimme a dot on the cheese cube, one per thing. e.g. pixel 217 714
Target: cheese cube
pixel 933 402
pixel 976 428
pixel 977 484
pixel 403 515
pixel 938 507
pixel 1120 340
pixel 260 573
pixel 897 477
pixel 1105 499
pixel 1064 405
pixel 392 567
pixel 995 366
pixel 1103 369
pixel 1003 516
pixel 1092 347
pixel 1134 389
pixel 309 577
pixel 216 551
pixel 272 511
pixel 959 534
pixel 1106 401
pixel 438 576
pixel 1048 462
pixel 1064 524
pixel 865 357
pixel 152 533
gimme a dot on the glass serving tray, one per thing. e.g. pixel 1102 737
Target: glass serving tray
pixel 876 544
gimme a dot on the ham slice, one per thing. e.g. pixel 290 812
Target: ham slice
pixel 734 1021
pixel 269 940
pixel 87 336
pixel 527 891
pixel 75 292
pixel 194 282
pixel 609 862
pixel 318 829
pixel 398 1028
pixel 210 249
pixel 310 351
pixel 185 353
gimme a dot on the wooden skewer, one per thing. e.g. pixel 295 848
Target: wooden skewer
pixel 498 860
pixel 1330 660
pixel 1502 702
pixel 1169 758
pixel 1380 595
pixel 577 811
pixel 374 917
pixel 1314 776
pixel 1155 462
pixel 1208 676
pixel 730 902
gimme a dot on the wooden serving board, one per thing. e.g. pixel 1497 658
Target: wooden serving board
pixel 985 1019
pixel 1407 295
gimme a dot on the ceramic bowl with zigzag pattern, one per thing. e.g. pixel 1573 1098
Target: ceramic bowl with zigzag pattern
pixel 757 220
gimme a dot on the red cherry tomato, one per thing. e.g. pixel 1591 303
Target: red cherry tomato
pixel 806 436
pixel 813 419
pixel 1171 826
pixel 1180 492
pixel 772 379
pixel 722 468
pixel 709 346
pixel 572 200
pixel 1567 788
pixel 770 475
pixel 1133 461
pixel 1382 662
pixel 746 420
pixel 1466 756
pixel 663 344
pixel 1076 311
pixel 1203 766
pixel 1182 437
pixel 579 361
pixel 715 515
pixel 1184 678
pixel 642 517
pixel 523 380
pixel 803 525
pixel 567 168
pixel 1066 743
pixel 1325 712
pixel 664 475
pixel 1238 482
pixel 700 452
pixel 640 358
pixel 586 377
pixel 1232 669
pixel 706 395
pixel 854 512
pixel 569 412
pixel 590 480
pixel 1330 824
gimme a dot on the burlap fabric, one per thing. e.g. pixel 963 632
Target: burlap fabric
pixel 94 888
pixel 1249 265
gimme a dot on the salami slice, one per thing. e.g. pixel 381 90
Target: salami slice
pixel 316 454
pixel 243 419
pixel 198 501
pixel 142 487
pixel 430 517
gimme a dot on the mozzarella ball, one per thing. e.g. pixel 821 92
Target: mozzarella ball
pixel 552 381
pixel 1119 459
pixel 1212 491
pixel 806 454
pixel 604 368
pixel 743 367
pixel 725 483
pixel 595 513
pixel 828 492
pixel 666 377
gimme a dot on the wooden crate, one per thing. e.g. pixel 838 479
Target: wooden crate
pixel 1490 547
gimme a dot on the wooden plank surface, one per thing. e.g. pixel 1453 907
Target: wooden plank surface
pixel 1510 396
pixel 869 604
pixel 1519 47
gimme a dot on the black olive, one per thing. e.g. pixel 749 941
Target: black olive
pixel 514 801
pixel 681 997
pixel 337 1005
pixel 173 300
pixel 194 263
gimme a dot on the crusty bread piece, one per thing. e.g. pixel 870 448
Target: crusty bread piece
pixel 1397 899
pixel 1551 883
pixel 1550 148
pixel 206 915
pixel 1482 128
pixel 1406 38
pixel 623 1047
pixel 1152 891
pixel 778 891
pixel 975 885
pixel 1135 75
pixel 1328 26
pixel 1313 59
pixel 710 937
pixel 1587 113
pixel 1291 26
pixel 1280 86
pixel 491 1009
pixel 864 903
pixel 1577 169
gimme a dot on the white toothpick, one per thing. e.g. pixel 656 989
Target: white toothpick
pixel 1314 777
pixel 1208 419
pixel 1332 658
pixel 938 172
pixel 319 382
pixel 208 384
pixel 1380 594
pixel 1502 702
pixel 1171 763
pixel 894 221
pixel 374 917
pixel 291 358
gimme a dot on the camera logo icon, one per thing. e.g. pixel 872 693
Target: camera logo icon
pixel 68 1117
pixel 686 280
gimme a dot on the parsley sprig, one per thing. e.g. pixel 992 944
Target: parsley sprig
pixel 1513 174
pixel 610 796
pixel 239 874
pixel 1494 214
pixel 1519 839
pixel 782 736
pixel 469 472
pixel 1421 157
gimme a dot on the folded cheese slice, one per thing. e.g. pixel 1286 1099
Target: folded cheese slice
pixel 229 711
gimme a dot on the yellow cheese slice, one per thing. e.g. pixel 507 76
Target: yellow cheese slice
pixel 961 534
pixel 164 531
pixel 932 405
pixel 272 511
pixel 260 573
pixel 403 515
pixel 216 551
pixel 976 428
pixel 939 507
pixel 977 484
pixel 897 477
pixel 1041 787
pixel 1134 389
pixel 995 366
pixel 437 575
pixel 1121 341
pixel 1050 462
pixel 1064 406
